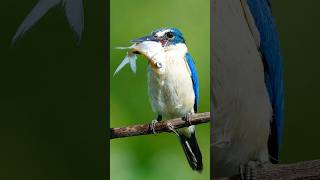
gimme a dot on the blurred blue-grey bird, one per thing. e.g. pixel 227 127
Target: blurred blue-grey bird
pixel 73 10
pixel 248 93
pixel 172 84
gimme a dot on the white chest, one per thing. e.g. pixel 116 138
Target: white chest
pixel 171 90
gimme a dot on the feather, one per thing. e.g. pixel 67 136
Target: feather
pixel 36 13
pixel 240 105
pixel 272 59
pixel 194 77
pixel 192 151
pixel 251 24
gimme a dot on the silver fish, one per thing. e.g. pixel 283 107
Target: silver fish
pixel 151 49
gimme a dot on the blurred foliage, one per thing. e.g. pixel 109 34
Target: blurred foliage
pixel 53 95
pixel 299 38
pixel 154 157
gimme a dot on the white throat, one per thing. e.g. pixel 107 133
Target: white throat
pixel 179 48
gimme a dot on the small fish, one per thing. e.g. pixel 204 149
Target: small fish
pixel 130 58
pixel 152 50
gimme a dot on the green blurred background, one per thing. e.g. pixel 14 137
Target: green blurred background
pixel 298 25
pixel 154 157
pixel 53 95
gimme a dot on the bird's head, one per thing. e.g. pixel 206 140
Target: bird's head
pixel 154 46
pixel 165 36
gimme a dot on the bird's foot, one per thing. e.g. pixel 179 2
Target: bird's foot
pixel 188 118
pixel 171 128
pixel 249 171
pixel 153 125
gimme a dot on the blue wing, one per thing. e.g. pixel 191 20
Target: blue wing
pixel 272 59
pixel 194 77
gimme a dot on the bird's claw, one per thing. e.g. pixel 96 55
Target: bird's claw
pixel 171 128
pixel 249 171
pixel 153 125
pixel 188 118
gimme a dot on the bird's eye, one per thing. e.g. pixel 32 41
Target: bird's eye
pixel 169 35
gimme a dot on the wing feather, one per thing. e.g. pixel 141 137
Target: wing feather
pixel 194 77
pixel 272 59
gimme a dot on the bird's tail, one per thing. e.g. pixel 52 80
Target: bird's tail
pixel 192 151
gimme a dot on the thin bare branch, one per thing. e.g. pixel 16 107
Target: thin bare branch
pixel 306 170
pixel 162 126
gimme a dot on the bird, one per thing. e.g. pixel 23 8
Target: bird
pixel 248 88
pixel 73 10
pixel 173 87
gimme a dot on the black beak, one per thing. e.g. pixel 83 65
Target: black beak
pixel 145 38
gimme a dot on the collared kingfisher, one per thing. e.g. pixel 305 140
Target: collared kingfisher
pixel 173 86
pixel 248 92
pixel 73 11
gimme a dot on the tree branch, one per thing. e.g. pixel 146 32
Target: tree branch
pixel 162 126
pixel 306 170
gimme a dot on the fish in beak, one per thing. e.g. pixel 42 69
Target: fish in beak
pixel 149 48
